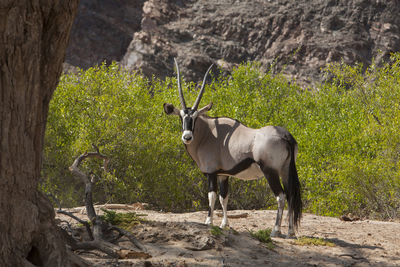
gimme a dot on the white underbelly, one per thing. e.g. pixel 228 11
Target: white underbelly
pixel 252 173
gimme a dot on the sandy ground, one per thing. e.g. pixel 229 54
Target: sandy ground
pixel 183 240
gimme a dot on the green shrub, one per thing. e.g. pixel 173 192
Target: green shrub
pixel 347 130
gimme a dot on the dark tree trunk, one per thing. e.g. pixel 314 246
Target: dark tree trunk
pixel 33 39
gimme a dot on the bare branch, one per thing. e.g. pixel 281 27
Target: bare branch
pixel 68 226
pixel 96 148
pixel 100 227
pixel 86 178
pixel 130 236
pixel 55 199
pixel 91 213
pixel 104 246
pixel 75 166
pixel 85 223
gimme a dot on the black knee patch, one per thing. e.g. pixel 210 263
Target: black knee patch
pixel 212 182
pixel 223 187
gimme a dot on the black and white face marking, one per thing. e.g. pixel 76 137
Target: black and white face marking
pixel 188 117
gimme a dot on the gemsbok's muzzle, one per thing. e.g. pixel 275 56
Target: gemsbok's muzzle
pixel 187 137
pixel 187 125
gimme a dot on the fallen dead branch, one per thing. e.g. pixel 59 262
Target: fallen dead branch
pixel 354 257
pixel 100 232
pixel 133 207
pixel 349 218
pixel 235 216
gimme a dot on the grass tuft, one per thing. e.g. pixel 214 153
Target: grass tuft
pixel 263 236
pixel 216 231
pixel 313 241
pixel 123 220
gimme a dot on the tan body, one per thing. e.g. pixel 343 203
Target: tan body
pixel 231 143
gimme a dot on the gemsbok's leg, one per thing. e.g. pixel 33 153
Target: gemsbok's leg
pixel 276 232
pixel 291 232
pixel 276 187
pixel 212 196
pixel 223 198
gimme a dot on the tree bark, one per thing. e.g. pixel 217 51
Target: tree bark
pixel 33 39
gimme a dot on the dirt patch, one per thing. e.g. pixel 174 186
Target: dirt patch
pixel 183 240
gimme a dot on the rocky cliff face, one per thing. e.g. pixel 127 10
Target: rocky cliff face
pixel 299 36
pixel 102 31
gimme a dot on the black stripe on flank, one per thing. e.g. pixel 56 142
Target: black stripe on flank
pixel 241 166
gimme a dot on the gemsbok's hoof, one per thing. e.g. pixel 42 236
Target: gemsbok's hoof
pixel 291 236
pixel 276 234
pixel 223 225
pixel 208 221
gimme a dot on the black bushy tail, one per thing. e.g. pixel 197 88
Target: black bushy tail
pixel 293 186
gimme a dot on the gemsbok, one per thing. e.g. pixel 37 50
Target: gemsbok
pixel 224 147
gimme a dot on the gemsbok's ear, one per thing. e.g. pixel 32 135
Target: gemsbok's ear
pixel 205 109
pixel 170 109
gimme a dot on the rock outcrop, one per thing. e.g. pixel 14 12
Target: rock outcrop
pixel 102 31
pixel 298 37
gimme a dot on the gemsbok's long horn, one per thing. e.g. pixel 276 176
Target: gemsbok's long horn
pixel 198 99
pixel 180 86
